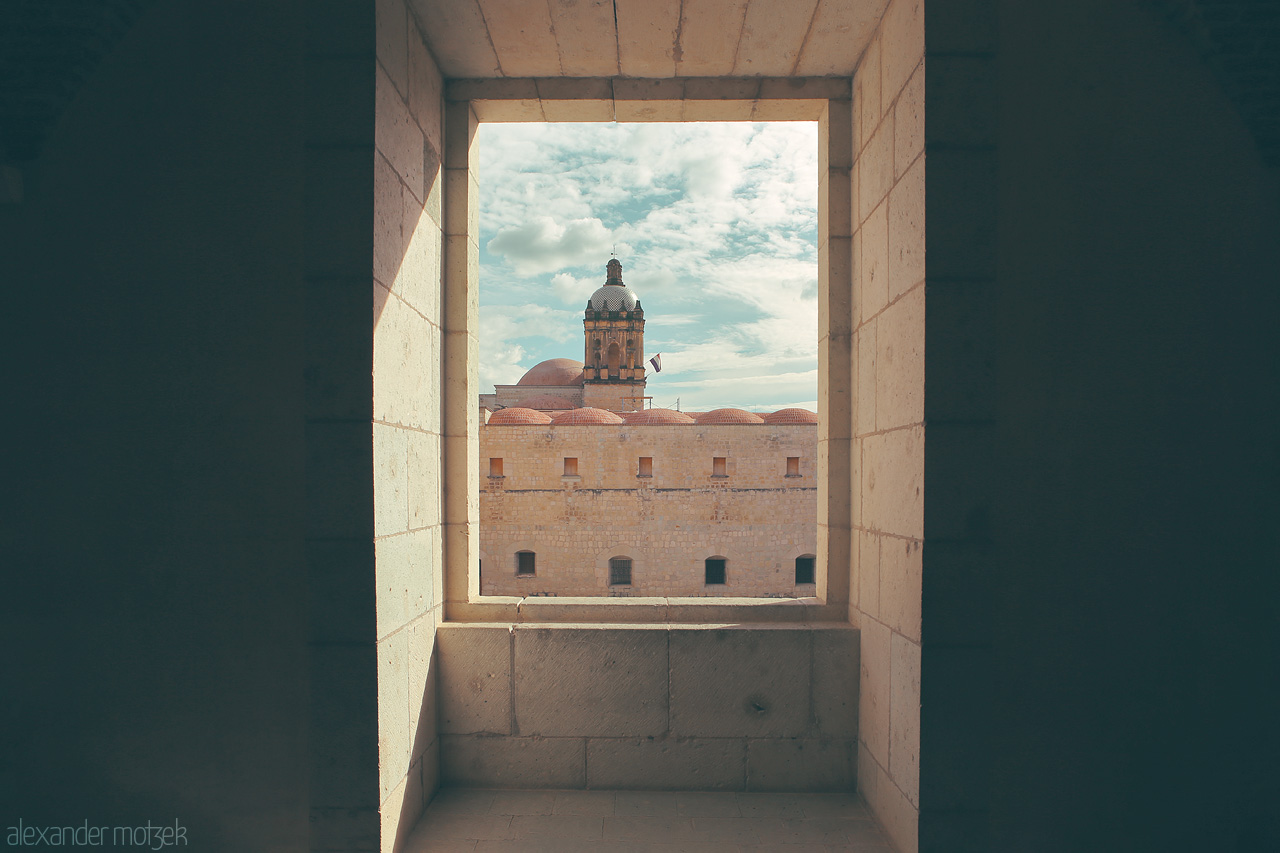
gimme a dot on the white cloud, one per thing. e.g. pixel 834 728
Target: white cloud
pixel 542 244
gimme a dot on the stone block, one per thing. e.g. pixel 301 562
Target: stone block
pixel 522 37
pixel 835 287
pixel 580 110
pixel 398 136
pixel 461 204
pixel 340 98
pixel 667 764
pixel 339 208
pixel 902 37
pixel 875 169
pixel 866 82
pixel 904 716
pixel 837 128
pixel 900 362
pixel 705 49
pixel 907 231
pixel 865 406
pixel 836 672
pixel 462 287
pixel 728 610
pixel 900 575
pixel 459 131
pixel 392 41
pixel 390 479
pixel 396 816
pixel 873 271
pixel 896 815
pixel 836 26
pixel 596 681
pixel 461 481
pixel 388 217
pixel 339 340
pixel 587 38
pixel 718 109
pixel 464 57
pixel 834 508
pixel 424 464
pixel 426 91
pixel 475 678
pixel 395 740
pixel 344 717
pixel 962 481
pixel 419 279
pixel 787 109
pixel 873 689
pixel 721 89
pixel 893 482
pixel 835 387
pixel 869 573
pixel 485 761
pixel 423 683
pixel 739 683
pixel 647 33
pixel 341 597
pixel 960 196
pixel 771 39
pixel 393 578
pixel 960 378
pixel 908 123
pixel 834 214
pixel 801 765
pixel 340 499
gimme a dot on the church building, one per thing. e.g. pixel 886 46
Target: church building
pixel 588 492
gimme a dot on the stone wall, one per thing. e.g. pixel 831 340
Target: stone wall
pixel 889 434
pixel 755 516
pixel 407 428
pixel 649 707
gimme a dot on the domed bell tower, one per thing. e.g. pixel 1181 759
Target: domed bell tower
pixel 613 376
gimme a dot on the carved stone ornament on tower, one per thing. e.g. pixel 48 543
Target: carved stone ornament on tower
pixel 613 372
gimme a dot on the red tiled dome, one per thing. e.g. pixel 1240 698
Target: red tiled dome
pixel 791 416
pixel 657 416
pixel 729 416
pixel 517 415
pixel 545 401
pixel 586 416
pixel 554 371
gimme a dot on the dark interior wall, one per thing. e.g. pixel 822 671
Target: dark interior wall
pixel 1134 523
pixel 154 605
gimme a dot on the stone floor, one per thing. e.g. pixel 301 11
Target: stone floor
pixel 480 821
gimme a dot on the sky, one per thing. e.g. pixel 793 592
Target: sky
pixel 716 228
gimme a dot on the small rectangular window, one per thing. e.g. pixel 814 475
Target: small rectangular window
pixel 804 569
pixel 571 466
pixel 646 467
pixel 718 466
pixel 526 565
pixel 715 571
pixel 793 466
pixel 620 571
pixel 495 466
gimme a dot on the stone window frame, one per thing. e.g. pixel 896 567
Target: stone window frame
pixel 533 564
pixel 824 100
pixel 722 569
pixel 644 466
pixel 613 568
pixel 813 569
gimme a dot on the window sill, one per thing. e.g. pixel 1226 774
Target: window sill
pixel 637 610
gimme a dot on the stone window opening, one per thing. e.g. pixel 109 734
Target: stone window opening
pixel 646 467
pixel 793 466
pixel 718 468
pixel 495 466
pixel 715 571
pixel 619 571
pixel 571 466
pixel 805 569
pixel 526 564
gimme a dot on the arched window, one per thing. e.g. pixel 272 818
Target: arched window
pixel 804 568
pixel 615 359
pixel 619 571
pixel 526 564
pixel 715 571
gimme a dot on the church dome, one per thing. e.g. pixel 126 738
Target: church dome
pixel 554 371
pixel 656 416
pixel 728 416
pixel 614 296
pixel 517 415
pixel 586 415
pixel 791 416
